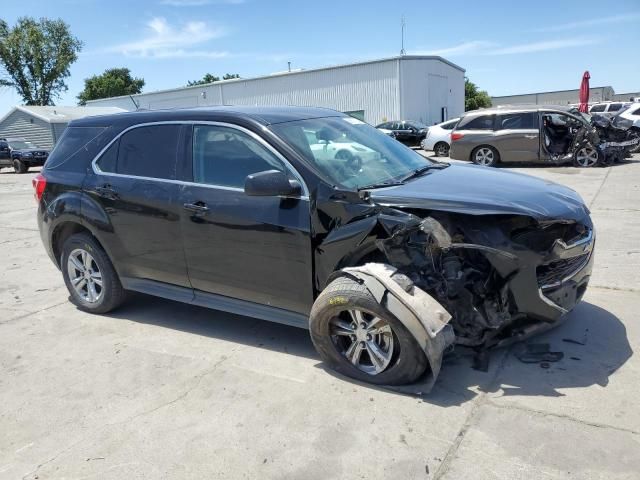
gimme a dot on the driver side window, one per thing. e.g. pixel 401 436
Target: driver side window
pixel 225 156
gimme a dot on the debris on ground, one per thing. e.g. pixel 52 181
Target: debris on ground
pixel 538 352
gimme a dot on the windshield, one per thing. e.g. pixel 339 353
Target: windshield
pixel 21 144
pixel 349 152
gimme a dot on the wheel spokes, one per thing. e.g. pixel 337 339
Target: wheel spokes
pixel 354 352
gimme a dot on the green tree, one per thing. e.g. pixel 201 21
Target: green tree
pixel 209 78
pixel 36 56
pixel 474 98
pixel 112 83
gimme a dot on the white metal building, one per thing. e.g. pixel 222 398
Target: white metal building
pixel 429 89
pixel 43 126
pixel 558 97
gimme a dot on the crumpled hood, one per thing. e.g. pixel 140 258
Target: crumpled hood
pixel 475 190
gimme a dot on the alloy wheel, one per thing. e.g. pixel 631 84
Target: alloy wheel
pixel 484 156
pixel 366 341
pixel 85 275
pixel 587 156
pixel 442 150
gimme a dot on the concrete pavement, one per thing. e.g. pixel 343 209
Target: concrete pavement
pixel 165 390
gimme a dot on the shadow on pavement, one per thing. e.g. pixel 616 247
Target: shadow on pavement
pixel 593 340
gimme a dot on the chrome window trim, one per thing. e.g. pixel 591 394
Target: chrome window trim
pixel 96 168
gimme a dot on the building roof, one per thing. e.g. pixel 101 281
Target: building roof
pixel 60 114
pixel 293 72
pixel 261 115
pixel 551 91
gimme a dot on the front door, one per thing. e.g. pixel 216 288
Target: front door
pixel 5 153
pixel 134 185
pixel 517 136
pixel 256 249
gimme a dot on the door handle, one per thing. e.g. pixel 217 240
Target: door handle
pixel 197 207
pixel 107 191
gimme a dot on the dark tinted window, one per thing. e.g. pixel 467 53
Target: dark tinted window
pixel 109 158
pixel 386 125
pixel 614 107
pixel 449 125
pixel 226 156
pixel 517 121
pixel 484 122
pixel 77 142
pixel 636 111
pixel 149 152
pixel 598 108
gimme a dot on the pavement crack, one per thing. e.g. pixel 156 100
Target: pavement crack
pixel 26 315
pixel 479 401
pixel 593 200
pixel 560 415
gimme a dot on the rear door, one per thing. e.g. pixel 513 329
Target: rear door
pixel 5 153
pixel 517 136
pixel 256 249
pixel 134 187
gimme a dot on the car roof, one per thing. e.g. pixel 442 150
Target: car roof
pixel 262 115
pixel 519 108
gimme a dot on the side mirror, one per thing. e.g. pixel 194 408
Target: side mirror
pixel 271 183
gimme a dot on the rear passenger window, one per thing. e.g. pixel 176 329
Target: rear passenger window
pixel 614 107
pixel 484 122
pixel 517 121
pixel 148 151
pixel 225 156
pixel 598 108
pixel 449 125
pixel 636 112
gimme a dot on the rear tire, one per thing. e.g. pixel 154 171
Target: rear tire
pixel 19 166
pixel 390 358
pixel 441 149
pixel 92 281
pixel 485 155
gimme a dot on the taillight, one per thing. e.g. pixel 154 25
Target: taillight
pixel 456 136
pixel 39 183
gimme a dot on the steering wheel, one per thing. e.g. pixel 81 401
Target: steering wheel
pixel 352 161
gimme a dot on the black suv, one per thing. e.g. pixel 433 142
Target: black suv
pixel 388 258
pixel 21 154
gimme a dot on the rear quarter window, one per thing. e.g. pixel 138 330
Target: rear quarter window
pixel 483 122
pixel 77 147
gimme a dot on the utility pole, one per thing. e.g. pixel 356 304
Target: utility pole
pixel 402 25
pixel 289 66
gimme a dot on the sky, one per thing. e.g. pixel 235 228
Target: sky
pixel 506 47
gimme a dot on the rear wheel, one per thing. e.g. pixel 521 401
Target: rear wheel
pixel 586 157
pixel 441 149
pixel 359 338
pixel 485 155
pixel 19 166
pixel 89 275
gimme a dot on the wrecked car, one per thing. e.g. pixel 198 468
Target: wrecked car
pixel 540 134
pixel 389 259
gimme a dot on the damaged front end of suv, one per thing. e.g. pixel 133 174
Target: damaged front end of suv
pixel 498 269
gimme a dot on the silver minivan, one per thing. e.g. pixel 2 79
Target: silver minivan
pixel 535 133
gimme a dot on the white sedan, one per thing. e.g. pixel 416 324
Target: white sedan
pixel 438 138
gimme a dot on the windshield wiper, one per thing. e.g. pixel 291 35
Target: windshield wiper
pixel 419 171
pixel 387 183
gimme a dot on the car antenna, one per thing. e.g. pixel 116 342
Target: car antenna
pixel 402 25
pixel 134 102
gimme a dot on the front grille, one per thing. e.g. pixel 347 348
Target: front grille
pixel 553 273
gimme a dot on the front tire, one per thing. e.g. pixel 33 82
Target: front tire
pixel 485 156
pixel 92 281
pixel 359 338
pixel 586 156
pixel 19 166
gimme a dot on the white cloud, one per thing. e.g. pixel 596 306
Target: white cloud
pixel 198 3
pixel 593 22
pixel 167 41
pixel 544 46
pixel 482 47
pixel 465 48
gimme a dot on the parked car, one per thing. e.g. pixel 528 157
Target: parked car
pixel 21 154
pixel 607 108
pixel 538 133
pixel 438 138
pixel 408 132
pixel 388 261
pixel 631 112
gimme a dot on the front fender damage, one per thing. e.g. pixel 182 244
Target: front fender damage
pixel 421 314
